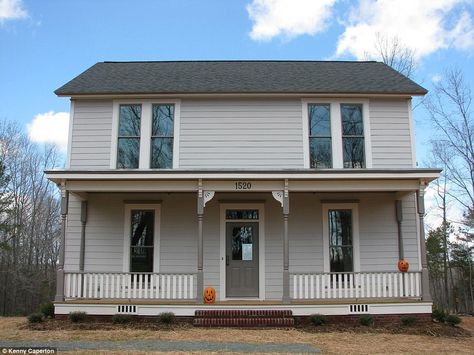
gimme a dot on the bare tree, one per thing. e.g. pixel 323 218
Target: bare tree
pixel 449 108
pixel 394 53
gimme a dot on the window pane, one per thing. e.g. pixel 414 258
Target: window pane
pixel 161 153
pixel 242 240
pixel 128 153
pixel 241 214
pixel 340 227
pixel 163 117
pixel 142 228
pixel 320 152
pixel 354 156
pixel 141 259
pixel 341 259
pixel 352 124
pixel 129 120
pixel 319 120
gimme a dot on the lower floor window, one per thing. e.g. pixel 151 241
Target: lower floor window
pixel 142 240
pixel 340 240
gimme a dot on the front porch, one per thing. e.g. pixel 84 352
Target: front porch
pixel 290 248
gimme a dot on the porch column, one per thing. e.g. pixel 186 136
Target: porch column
pixel 399 214
pixel 83 235
pixel 283 198
pixel 60 268
pixel 425 281
pixel 203 198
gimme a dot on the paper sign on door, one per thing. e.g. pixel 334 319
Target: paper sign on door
pixel 247 252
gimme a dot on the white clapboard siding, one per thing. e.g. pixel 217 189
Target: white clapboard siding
pixel 390 134
pixel 130 285
pixel 355 285
pixel 241 134
pixel 91 134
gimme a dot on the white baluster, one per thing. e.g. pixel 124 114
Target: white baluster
pixel 311 282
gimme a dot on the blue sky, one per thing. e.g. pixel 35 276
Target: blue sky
pixel 43 44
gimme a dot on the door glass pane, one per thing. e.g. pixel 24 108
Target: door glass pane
pixel 341 259
pixel 242 243
pixel 241 214
pixel 142 240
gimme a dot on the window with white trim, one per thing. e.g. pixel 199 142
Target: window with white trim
pixel 320 146
pixel 162 136
pixel 341 250
pixel 128 145
pixel 142 240
pixel 146 134
pixel 352 136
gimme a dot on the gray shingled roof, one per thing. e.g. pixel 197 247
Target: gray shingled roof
pixel 240 77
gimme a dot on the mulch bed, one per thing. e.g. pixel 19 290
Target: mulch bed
pixel 433 329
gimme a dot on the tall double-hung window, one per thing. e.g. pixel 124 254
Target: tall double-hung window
pixel 128 146
pixel 162 136
pixel 352 136
pixel 320 146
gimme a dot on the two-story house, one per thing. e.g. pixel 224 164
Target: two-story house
pixel 283 185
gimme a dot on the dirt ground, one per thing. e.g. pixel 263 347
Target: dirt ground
pixel 337 342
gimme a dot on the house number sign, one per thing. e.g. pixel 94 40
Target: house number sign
pixel 243 185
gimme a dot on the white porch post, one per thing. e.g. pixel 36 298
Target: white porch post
pixel 83 235
pixel 425 281
pixel 399 215
pixel 283 198
pixel 60 268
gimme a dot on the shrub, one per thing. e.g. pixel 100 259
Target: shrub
pixel 439 315
pixel 167 318
pixel 453 320
pixel 318 319
pixel 35 318
pixel 408 320
pixel 366 319
pixel 121 319
pixel 47 309
pixel 76 317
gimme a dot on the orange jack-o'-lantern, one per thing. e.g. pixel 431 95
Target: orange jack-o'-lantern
pixel 209 295
pixel 403 265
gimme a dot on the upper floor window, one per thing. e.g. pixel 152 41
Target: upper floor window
pixel 162 136
pixel 128 146
pixel 146 134
pixel 352 136
pixel 320 147
pixel 336 133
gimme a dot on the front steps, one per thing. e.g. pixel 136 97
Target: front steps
pixel 243 318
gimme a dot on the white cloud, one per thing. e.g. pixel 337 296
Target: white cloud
pixel 436 78
pixel 424 26
pixel 11 10
pixel 288 18
pixel 50 127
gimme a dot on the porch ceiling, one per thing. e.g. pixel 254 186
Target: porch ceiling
pixel 304 180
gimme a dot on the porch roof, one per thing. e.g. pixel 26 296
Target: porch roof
pixel 261 180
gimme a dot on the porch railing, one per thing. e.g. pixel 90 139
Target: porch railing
pixel 355 285
pixel 130 285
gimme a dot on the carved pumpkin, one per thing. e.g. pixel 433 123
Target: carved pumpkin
pixel 403 265
pixel 209 295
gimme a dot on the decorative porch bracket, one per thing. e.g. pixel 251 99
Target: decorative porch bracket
pixel 60 268
pixel 203 198
pixel 283 198
pixel 425 281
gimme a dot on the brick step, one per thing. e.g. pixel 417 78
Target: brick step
pixel 244 322
pixel 243 313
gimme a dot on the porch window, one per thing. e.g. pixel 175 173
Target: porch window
pixel 320 147
pixel 340 240
pixel 241 214
pixel 162 136
pixel 128 147
pixel 352 136
pixel 142 240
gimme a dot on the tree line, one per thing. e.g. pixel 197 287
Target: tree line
pixel 29 222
